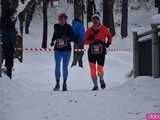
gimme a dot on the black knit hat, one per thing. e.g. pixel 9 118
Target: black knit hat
pixel 96 16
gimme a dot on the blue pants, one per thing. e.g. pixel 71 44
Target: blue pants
pixel 62 57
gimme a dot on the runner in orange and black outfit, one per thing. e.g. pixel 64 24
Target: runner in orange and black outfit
pixel 95 37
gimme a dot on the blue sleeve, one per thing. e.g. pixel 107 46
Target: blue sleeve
pixel 81 32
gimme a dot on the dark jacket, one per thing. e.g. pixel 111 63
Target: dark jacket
pixel 64 33
pixel 8 31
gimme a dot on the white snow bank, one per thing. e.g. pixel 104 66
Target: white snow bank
pixel 155 19
pixel 139 30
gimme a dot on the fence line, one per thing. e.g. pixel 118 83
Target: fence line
pixel 76 50
pixel 155 50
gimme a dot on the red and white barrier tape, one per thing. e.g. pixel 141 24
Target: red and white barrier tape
pixel 77 50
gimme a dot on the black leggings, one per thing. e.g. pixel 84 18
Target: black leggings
pixel 99 59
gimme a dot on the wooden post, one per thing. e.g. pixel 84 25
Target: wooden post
pixel 155 52
pixel 135 54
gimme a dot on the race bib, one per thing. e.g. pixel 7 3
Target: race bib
pixel 97 49
pixel 61 43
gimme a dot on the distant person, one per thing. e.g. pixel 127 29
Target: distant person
pixel 78 46
pixel 96 39
pixel 62 38
pixel 9 33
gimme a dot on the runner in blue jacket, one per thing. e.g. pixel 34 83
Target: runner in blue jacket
pixel 78 46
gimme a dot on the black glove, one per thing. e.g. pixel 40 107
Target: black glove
pixel 107 44
pixel 52 44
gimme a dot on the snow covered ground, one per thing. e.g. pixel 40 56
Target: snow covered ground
pixel 130 101
pixel 29 95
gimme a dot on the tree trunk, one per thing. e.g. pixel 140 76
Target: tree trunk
pixel 4 5
pixel 157 5
pixel 79 10
pixel 91 9
pixel 21 17
pixel 52 4
pixel 0 42
pixel 108 18
pixel 29 15
pixel 45 24
pixel 124 24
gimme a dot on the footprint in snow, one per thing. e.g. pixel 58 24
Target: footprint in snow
pixel 134 113
pixel 49 104
pixel 73 101
pixel 156 106
pixel 46 117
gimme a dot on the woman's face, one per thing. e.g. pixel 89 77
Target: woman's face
pixel 96 22
pixel 62 20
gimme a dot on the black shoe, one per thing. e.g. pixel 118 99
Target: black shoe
pixel 73 65
pixel 95 88
pixel 57 87
pixel 64 87
pixel 103 85
pixel 80 65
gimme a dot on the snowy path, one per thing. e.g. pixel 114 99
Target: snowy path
pixel 129 102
